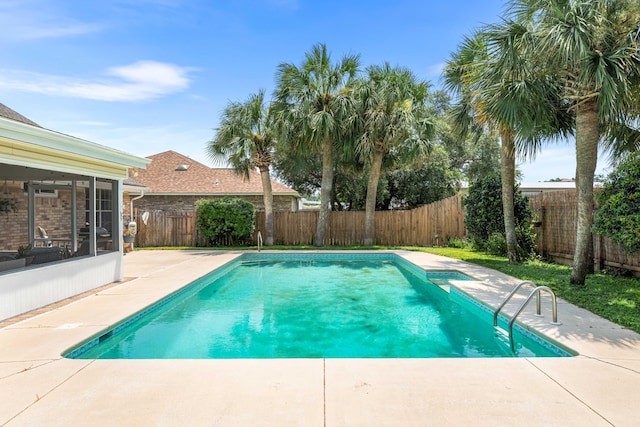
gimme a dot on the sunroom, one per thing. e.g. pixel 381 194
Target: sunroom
pixel 61 215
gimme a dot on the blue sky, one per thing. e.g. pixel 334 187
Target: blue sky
pixel 146 76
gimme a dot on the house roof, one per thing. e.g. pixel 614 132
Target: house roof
pixel 54 155
pixel 532 188
pixel 10 114
pixel 171 173
pixel 131 186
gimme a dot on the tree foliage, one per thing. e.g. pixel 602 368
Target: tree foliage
pixel 351 191
pixel 406 181
pixel 474 154
pixel 432 181
pixel 302 172
pixel 619 213
pixel 225 221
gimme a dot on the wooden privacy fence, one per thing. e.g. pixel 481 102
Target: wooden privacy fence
pixel 428 225
pixel 425 226
pixel 556 237
pixel 167 228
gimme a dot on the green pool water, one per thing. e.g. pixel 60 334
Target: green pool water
pixel 314 306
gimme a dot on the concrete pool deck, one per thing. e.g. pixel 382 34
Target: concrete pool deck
pixel 600 386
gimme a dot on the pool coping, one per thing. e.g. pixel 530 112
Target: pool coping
pixel 597 387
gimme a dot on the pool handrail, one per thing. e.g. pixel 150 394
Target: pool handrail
pixel 259 240
pixel 508 298
pixel 554 309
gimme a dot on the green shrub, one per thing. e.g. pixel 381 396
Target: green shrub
pixel 484 216
pixel 226 221
pixel 496 244
pixel 619 213
pixel 526 235
pixel 454 242
pixel 483 208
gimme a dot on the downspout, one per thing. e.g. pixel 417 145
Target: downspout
pixel 131 204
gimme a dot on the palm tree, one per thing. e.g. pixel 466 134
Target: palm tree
pixel 392 117
pixel 246 139
pixel 315 111
pixel 501 90
pixel 590 47
pixel 468 73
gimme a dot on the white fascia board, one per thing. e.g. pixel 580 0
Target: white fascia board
pixel 11 129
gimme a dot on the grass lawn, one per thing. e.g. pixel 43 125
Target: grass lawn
pixel 614 298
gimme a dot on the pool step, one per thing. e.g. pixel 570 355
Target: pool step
pixel 442 284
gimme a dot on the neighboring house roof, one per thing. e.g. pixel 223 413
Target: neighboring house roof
pixel 132 186
pixel 542 187
pixel 171 173
pixel 8 113
pixel 532 188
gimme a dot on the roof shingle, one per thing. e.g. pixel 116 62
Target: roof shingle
pixel 8 113
pixel 162 177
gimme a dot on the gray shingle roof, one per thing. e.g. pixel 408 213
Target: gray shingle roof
pixel 8 113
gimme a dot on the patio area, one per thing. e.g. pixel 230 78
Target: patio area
pixel 600 386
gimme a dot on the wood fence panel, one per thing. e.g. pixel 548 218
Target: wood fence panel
pixel 167 229
pixel 556 236
pixel 344 227
pixel 416 227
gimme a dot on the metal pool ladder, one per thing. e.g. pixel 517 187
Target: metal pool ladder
pixel 536 291
pixel 259 240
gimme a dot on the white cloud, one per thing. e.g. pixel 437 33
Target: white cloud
pixel 140 81
pixel 34 20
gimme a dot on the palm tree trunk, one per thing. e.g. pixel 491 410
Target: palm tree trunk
pixel 587 137
pixel 267 196
pixel 326 188
pixel 508 168
pixel 372 192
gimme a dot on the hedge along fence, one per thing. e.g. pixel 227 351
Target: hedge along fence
pixel 425 226
pixel 556 236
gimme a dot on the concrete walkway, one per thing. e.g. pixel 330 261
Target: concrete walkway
pixel 600 387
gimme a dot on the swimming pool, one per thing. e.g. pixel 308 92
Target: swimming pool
pixel 315 306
